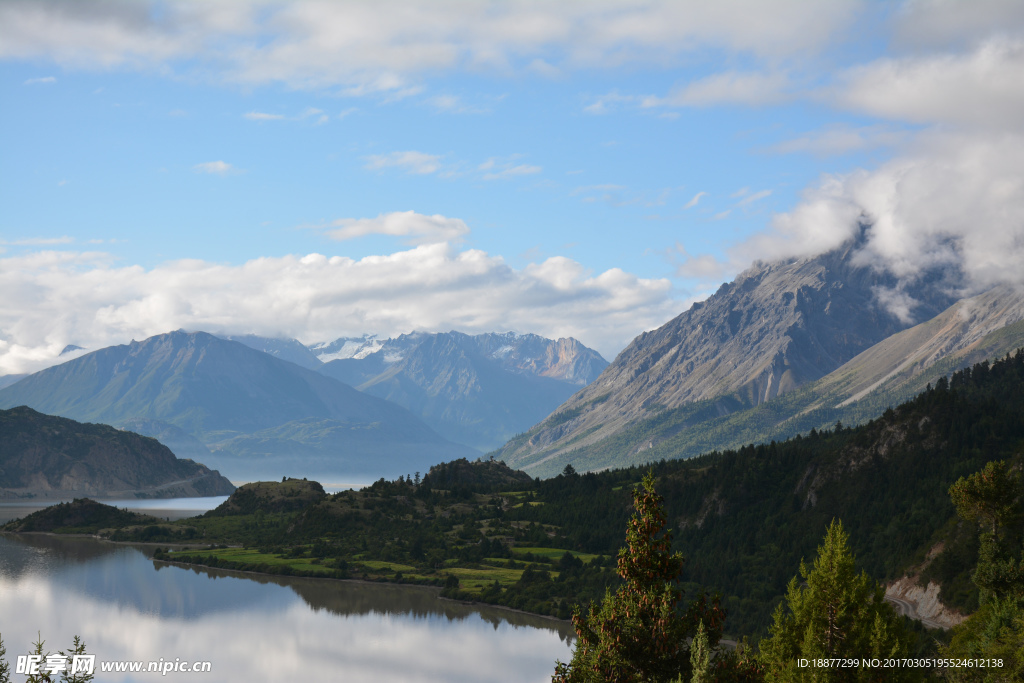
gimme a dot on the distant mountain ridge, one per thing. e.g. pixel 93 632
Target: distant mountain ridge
pixel 44 455
pixel 565 358
pixel 223 392
pixel 478 390
pixel 474 389
pixel 290 350
pixel 777 327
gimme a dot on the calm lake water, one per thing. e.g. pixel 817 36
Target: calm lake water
pixel 255 628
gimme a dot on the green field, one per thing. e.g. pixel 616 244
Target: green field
pixel 252 556
pixel 552 553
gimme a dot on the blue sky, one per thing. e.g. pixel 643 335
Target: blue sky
pixel 588 169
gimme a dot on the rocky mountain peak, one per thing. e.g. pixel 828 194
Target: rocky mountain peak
pixel 775 327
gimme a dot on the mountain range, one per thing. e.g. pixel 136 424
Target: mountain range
pixel 255 406
pixel 257 414
pixel 477 390
pixel 786 347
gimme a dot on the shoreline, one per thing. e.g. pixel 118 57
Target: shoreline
pixel 202 546
pixel 433 589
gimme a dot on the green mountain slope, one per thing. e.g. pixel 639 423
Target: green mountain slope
pixel 45 455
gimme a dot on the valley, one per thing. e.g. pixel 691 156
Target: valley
pixel 743 519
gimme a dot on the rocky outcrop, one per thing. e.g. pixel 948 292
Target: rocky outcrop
pixel 922 603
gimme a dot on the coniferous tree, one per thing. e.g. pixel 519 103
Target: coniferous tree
pixel 989 496
pixel 637 634
pixel 834 613
pixel 700 656
pixel 43 676
pixel 75 677
pixel 995 632
pixel 5 669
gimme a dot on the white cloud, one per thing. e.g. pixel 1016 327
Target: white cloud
pixel 261 116
pixel 950 24
pixel 40 241
pixel 453 104
pixel 983 88
pixel 417 227
pixel 840 139
pixel 40 81
pixel 749 199
pixel 214 167
pixel 607 102
pixel 696 198
pixel 511 171
pixel 955 202
pixel 620 195
pixel 309 112
pixel 55 298
pixel 704 266
pixel 410 161
pixel 498 168
pixel 542 68
pixel 731 87
pixel 368 48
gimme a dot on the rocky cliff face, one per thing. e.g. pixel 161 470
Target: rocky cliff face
pixel 48 456
pixel 777 326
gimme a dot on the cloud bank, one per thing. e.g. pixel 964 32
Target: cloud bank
pixel 417 228
pixel 54 298
pixel 952 197
pixel 955 202
pixel 385 46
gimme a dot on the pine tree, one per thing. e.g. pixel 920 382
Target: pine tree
pixel 700 656
pixel 5 668
pixel 835 612
pixel 43 676
pixel 991 499
pixel 989 496
pixel 77 677
pixel 637 634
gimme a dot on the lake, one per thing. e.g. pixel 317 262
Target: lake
pixel 252 627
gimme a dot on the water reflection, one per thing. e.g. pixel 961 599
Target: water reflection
pixel 345 598
pixel 258 628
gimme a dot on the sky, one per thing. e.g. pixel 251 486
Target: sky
pixel 588 169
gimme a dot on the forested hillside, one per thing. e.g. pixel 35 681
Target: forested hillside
pixel 743 519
